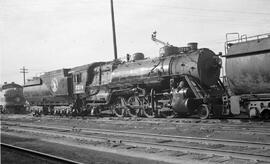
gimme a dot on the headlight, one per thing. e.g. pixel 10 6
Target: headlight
pixel 17 99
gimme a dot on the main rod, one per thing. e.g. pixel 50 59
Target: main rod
pixel 113 29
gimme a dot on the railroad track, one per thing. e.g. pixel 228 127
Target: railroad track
pixel 213 122
pixel 167 142
pixel 245 126
pixel 168 138
pixel 263 130
pixel 44 157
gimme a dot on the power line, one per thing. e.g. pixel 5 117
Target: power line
pixel 143 4
pixel 23 71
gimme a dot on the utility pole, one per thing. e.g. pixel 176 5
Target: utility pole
pixel 23 71
pixel 113 29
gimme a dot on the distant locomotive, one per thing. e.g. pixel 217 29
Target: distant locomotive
pixel 183 81
pixel 247 66
pixel 11 98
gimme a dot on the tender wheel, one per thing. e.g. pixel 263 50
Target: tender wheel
pixel 135 105
pixel 266 115
pixel 118 107
pixel 1 109
pixel 149 112
pixel 94 111
pixel 45 110
pixel 203 111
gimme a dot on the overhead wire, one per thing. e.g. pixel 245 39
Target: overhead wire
pixel 143 4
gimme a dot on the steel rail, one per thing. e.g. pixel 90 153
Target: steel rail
pixel 40 154
pixel 179 138
pixel 136 143
pixel 209 151
pixel 177 122
pixel 241 128
pixel 263 131
pixel 168 138
pixel 254 129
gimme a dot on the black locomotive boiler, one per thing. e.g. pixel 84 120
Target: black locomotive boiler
pixel 182 80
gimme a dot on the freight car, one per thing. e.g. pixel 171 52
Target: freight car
pixel 247 66
pixel 182 81
pixel 11 98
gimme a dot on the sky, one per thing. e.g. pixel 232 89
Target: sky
pixel 45 35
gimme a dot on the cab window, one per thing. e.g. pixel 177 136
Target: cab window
pixel 77 78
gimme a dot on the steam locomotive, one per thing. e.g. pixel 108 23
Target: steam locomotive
pixel 11 98
pixel 181 81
